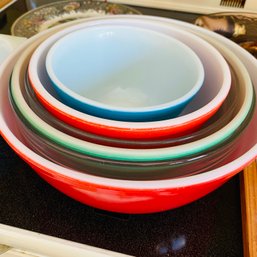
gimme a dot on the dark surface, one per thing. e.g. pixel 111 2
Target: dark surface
pixel 208 227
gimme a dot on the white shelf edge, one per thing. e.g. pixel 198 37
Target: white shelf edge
pixel 37 244
pixel 7 5
pixel 188 6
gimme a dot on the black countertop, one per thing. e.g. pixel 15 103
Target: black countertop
pixel 209 227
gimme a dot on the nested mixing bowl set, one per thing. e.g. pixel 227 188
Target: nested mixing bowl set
pixel 131 114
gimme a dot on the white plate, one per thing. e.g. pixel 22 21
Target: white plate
pixel 50 15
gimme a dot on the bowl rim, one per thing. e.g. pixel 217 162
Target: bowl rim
pixel 125 154
pixel 134 129
pixel 184 49
pixel 143 144
pixel 222 173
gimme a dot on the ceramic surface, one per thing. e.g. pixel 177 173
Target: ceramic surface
pixel 208 100
pixel 134 196
pixel 50 15
pixel 134 155
pixel 188 166
pixel 127 170
pixel 225 114
pixel 64 153
pixel 123 72
pixel 133 171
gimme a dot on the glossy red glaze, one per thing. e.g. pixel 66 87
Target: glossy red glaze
pixel 126 133
pixel 124 200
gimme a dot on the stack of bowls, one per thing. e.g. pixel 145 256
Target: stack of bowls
pixel 132 114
